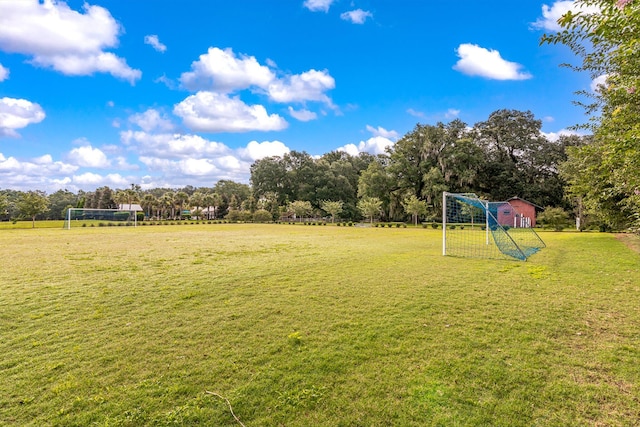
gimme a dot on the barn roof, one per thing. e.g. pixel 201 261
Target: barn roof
pixel 526 201
pixel 130 207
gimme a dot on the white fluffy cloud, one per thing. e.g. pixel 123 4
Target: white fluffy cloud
pixel 308 86
pixel 93 180
pixel 68 41
pixel 151 120
pixel 18 113
pixel 4 73
pixel 37 173
pixel 451 113
pixel 377 144
pixel 302 115
pixel 174 157
pixel 357 16
pixel 551 14
pixel 88 156
pixel 153 41
pixel 374 145
pixel 554 136
pixel 318 5
pixel 380 131
pixel 215 112
pixel 259 150
pixel 172 146
pixel 223 71
pixel 478 61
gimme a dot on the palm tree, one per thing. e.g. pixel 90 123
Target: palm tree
pixel 181 198
pixel 212 200
pixel 120 198
pixel 148 202
pixel 197 200
pixel 166 201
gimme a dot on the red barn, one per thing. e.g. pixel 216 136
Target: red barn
pixel 517 213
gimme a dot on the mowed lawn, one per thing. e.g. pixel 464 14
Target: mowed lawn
pixel 313 326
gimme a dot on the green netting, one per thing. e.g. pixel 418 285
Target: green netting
pixel 473 229
pixel 81 217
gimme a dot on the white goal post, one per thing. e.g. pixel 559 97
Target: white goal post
pixel 476 228
pixel 86 217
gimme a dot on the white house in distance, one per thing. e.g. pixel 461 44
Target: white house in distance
pixel 130 207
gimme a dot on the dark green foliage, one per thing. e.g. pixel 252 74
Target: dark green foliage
pixel 555 218
pixel 262 215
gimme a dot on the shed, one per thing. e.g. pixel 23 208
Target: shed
pixel 518 213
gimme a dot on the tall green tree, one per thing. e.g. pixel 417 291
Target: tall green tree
pixel 377 181
pixel 519 159
pixel 59 202
pixel 414 207
pixel 370 207
pixel 32 204
pixel 149 202
pixel 232 194
pixel 333 208
pixel 181 199
pixel 4 206
pixel 605 173
pixel 301 208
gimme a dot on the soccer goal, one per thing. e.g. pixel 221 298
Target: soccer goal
pixel 476 228
pixel 84 217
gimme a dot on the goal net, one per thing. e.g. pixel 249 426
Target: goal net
pixel 476 228
pixel 84 217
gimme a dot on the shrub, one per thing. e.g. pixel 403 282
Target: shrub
pixel 350 224
pixel 555 218
pixel 604 228
pixel 262 215
pixel 452 227
pixel 434 225
pixel 84 224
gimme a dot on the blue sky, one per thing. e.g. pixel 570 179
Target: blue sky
pixel 168 94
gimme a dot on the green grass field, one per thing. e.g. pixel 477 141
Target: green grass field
pixel 313 326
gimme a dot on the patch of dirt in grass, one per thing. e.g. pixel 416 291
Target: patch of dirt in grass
pixel 631 240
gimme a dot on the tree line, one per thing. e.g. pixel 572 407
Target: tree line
pixel 505 156
pixel 603 175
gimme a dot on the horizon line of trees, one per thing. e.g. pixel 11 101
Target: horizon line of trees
pixel 505 156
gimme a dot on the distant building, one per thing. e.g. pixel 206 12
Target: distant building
pixel 209 212
pixel 517 213
pixel 130 207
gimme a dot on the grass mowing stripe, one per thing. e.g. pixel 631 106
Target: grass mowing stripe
pixel 313 326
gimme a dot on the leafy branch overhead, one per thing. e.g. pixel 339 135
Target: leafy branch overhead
pixel 604 175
